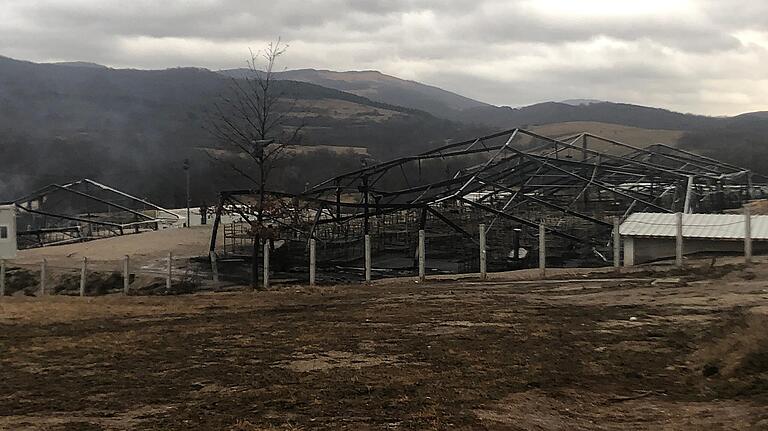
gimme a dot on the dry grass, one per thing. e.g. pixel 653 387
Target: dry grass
pixel 629 135
pixel 343 110
pixel 437 355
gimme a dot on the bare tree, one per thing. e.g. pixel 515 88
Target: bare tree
pixel 251 120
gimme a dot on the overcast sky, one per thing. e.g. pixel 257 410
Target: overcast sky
pixel 701 56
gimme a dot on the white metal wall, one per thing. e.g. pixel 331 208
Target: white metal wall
pixel 7 231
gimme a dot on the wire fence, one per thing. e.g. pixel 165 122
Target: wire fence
pixel 184 275
pixel 168 276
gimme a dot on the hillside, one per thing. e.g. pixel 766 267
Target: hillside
pixel 741 140
pixel 382 88
pixel 445 104
pixel 626 134
pixel 134 128
pixel 605 112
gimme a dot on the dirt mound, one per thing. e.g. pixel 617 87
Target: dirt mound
pixel 736 362
pixel 143 248
pixel 96 283
pixel 25 282
pixel 153 285
pixel 577 410
pixel 756 207
pixel 20 281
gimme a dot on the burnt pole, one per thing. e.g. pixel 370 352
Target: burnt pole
pixel 338 201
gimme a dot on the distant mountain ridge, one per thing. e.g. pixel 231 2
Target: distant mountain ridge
pixel 579 102
pixel 65 121
pixel 98 121
pixel 383 88
pixel 80 64
pixel 388 89
pixel 605 112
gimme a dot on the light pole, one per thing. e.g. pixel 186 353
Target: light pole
pixel 186 171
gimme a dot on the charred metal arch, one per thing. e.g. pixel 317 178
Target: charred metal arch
pixel 604 183
pixel 110 221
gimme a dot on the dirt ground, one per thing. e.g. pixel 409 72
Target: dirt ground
pixel 636 353
pixel 143 248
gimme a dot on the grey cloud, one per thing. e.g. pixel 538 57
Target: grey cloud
pixel 515 25
pixel 738 14
pixel 657 58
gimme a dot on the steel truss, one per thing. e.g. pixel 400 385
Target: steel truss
pixel 83 210
pixel 510 181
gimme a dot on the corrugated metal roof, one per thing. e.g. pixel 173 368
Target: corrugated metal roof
pixel 706 226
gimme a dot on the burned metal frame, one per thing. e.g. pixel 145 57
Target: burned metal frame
pixel 61 227
pixel 520 177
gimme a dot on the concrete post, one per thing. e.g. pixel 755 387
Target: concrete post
pixel 422 256
pixel 747 235
pixel 516 243
pixel 679 241
pixel 312 261
pixel 126 274
pixel 2 278
pixel 170 272
pixel 629 251
pixel 367 258
pixel 266 264
pixel 616 245
pixel 688 194
pixel 483 271
pixel 43 276
pixel 214 267
pixel 83 276
pixel 542 251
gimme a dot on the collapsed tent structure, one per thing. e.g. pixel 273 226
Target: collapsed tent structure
pixel 83 210
pixel 510 182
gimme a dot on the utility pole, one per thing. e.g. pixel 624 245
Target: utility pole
pixel 186 171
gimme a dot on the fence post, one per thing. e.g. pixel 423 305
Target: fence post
pixel 616 245
pixel 126 274
pixel 312 261
pixel 170 272
pixel 266 264
pixel 367 258
pixel 542 250
pixel 83 276
pixel 422 256
pixel 483 272
pixel 2 278
pixel 43 276
pixel 214 267
pixel 747 235
pixel 679 240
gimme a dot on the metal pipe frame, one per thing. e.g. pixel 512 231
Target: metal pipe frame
pixel 517 175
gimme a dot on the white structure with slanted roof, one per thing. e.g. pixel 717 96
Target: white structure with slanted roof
pixel 7 231
pixel 652 236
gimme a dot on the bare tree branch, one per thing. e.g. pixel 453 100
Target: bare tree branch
pixel 252 118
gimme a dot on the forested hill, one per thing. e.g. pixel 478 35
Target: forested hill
pixel 133 129
pixel 446 104
pixel 605 112
pixel 381 87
